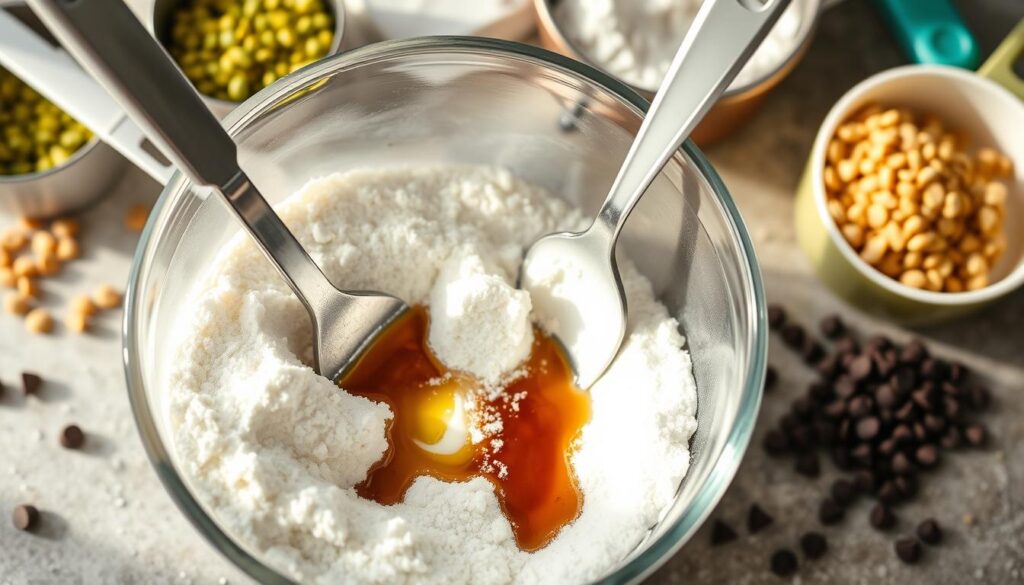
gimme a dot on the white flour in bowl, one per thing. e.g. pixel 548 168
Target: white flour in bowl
pixel 636 40
pixel 274 450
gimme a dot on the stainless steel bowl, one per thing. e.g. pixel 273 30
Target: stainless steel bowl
pixel 88 174
pixel 552 121
pixel 160 12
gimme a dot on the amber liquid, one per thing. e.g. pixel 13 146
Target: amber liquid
pixel 537 488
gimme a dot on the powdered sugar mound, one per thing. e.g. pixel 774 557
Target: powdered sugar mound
pixel 274 451
pixel 479 323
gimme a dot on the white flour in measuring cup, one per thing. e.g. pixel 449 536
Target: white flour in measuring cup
pixel 635 40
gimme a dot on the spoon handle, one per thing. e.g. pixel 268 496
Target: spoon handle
pixel 110 42
pixel 718 43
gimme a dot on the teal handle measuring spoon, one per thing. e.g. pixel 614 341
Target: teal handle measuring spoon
pixel 931 31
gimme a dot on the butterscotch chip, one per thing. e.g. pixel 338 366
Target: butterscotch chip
pixel 13 240
pixel 30 223
pixel 16 303
pixel 135 217
pixel 77 322
pixel 64 227
pixel 43 243
pixel 28 287
pixel 5 258
pixel 24 266
pixel 67 248
pixel 106 297
pixel 7 277
pixel 83 305
pixel 38 321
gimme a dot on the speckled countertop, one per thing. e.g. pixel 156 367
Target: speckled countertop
pixel 107 518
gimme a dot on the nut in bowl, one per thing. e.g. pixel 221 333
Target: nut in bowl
pixel 911 202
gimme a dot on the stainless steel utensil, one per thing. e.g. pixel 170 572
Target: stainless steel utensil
pixel 572 278
pixel 107 39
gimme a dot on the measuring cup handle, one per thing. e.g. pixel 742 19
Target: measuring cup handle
pixel 999 66
pixel 931 31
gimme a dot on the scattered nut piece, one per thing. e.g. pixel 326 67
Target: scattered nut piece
pixel 83 305
pixel 28 287
pixel 67 248
pixel 135 217
pixel 77 322
pixel 106 297
pixel 65 227
pixel 16 303
pixel 38 321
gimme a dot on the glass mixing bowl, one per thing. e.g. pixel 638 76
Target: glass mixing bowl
pixel 554 122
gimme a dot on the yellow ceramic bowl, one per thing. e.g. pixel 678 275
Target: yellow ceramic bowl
pixel 990 114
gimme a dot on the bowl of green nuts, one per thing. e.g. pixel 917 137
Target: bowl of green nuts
pixel 230 49
pixel 50 163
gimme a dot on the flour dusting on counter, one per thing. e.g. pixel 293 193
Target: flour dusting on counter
pixel 274 451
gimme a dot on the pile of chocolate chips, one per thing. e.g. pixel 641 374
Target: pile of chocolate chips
pixel 883 413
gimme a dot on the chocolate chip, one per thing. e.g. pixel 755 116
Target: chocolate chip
pixel 902 434
pixel 844 492
pixel 811 351
pixel 952 439
pixel 72 437
pixel 820 391
pixel 886 396
pixel 861 368
pixel 863 454
pixel 835 409
pixel 865 480
pixel 814 545
pixel 868 428
pixel 828 367
pixel 845 387
pixel 721 533
pixel 847 345
pixel 914 352
pixel 776 316
pixel 902 464
pixel 882 517
pixel 829 512
pixel 907 412
pixel 933 369
pixel 888 493
pixel 929 532
pixel 807 464
pixel 908 550
pixel 758 519
pixel 25 517
pixel 927 456
pixel 783 563
pixel 832 327
pixel 904 380
pixel 770 377
pixel 775 442
pixel 976 435
pixel 906 485
pixel 957 372
pixel 30 383
pixel 793 335
pixel 860 406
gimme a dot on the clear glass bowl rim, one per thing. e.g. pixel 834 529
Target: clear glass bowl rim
pixel 657 551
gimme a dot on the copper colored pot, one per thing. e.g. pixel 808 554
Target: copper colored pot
pixel 735 107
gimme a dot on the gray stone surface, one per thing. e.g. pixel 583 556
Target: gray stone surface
pixel 108 520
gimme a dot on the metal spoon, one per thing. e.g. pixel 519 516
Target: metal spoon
pixel 572 278
pixel 110 42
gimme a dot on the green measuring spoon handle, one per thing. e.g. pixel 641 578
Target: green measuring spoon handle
pixel 931 31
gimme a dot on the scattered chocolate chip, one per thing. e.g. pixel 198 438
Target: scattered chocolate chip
pixel 882 517
pixel 927 456
pixel 72 437
pixel 776 316
pixel 832 327
pixel 865 480
pixel 721 533
pixel 807 464
pixel 25 517
pixel 828 367
pixel 783 562
pixel 844 492
pixel 888 493
pixel 908 550
pixel 952 439
pixel 902 464
pixel 975 434
pixel 758 519
pixel 811 351
pixel 793 335
pixel 30 383
pixel 770 377
pixel 814 545
pixel 906 485
pixel 830 512
pixel 929 532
